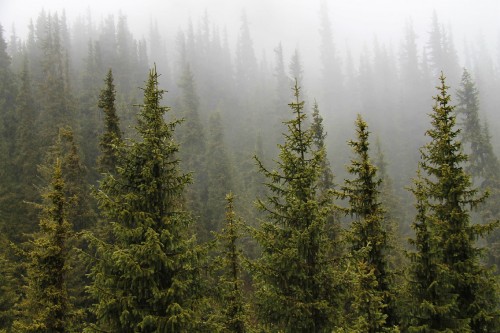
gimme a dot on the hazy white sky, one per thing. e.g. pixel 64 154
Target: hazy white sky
pixel 293 22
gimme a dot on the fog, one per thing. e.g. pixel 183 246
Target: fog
pixel 368 39
pixel 126 172
pixel 294 22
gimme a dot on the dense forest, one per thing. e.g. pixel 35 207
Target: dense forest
pixel 179 183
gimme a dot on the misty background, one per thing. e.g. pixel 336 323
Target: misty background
pixel 375 58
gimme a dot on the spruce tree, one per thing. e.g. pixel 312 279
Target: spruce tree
pixel 293 276
pixel 368 236
pixel 47 307
pixel 144 279
pixel 460 295
pixel 483 164
pixel 8 124
pixel 233 317
pixel 192 139
pixel 428 300
pixel 326 180
pixel 219 174
pixel 9 288
pixel 471 132
pixel 112 136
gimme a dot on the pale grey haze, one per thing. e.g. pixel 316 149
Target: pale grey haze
pixel 354 22
pixel 358 27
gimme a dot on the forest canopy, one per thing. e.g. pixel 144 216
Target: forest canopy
pixel 181 182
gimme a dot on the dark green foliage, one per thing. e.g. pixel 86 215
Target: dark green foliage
pixel 368 236
pixel 293 276
pixel 233 316
pixel 9 288
pixel 79 206
pixel 326 180
pixel 145 280
pixel 8 124
pixel 25 160
pixel 427 287
pixel 112 136
pixel 456 293
pixel 47 307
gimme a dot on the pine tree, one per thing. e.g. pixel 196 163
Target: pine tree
pixel 428 299
pixel 47 307
pixel 219 174
pixel 295 69
pixel 144 280
pixel 368 236
pixel 112 136
pixel 192 139
pixel 331 73
pixel 483 164
pixel 8 124
pixel 460 295
pixel 9 288
pixel 326 181
pixel 471 131
pixel 232 304
pixel 56 102
pixel 293 276
pixel 80 205
pixel 88 110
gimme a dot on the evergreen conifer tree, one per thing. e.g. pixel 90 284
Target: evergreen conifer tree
pixel 112 136
pixel 326 181
pixel 219 174
pixel 192 139
pixel 471 131
pixel 47 307
pixel 232 304
pixel 483 164
pixel 9 288
pixel 457 293
pixel 293 276
pixel 144 280
pixel 368 236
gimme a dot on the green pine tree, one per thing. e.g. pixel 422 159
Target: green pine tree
pixel 294 278
pixel 145 279
pixel 193 159
pixel 483 164
pixel 368 236
pixel 428 300
pixel 219 174
pixel 233 314
pixel 112 136
pixel 460 295
pixel 9 288
pixel 47 306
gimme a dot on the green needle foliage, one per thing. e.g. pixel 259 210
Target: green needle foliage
pixel 112 135
pixel 293 276
pixel 368 236
pixel 47 307
pixel 232 304
pixel 145 279
pixel 455 292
